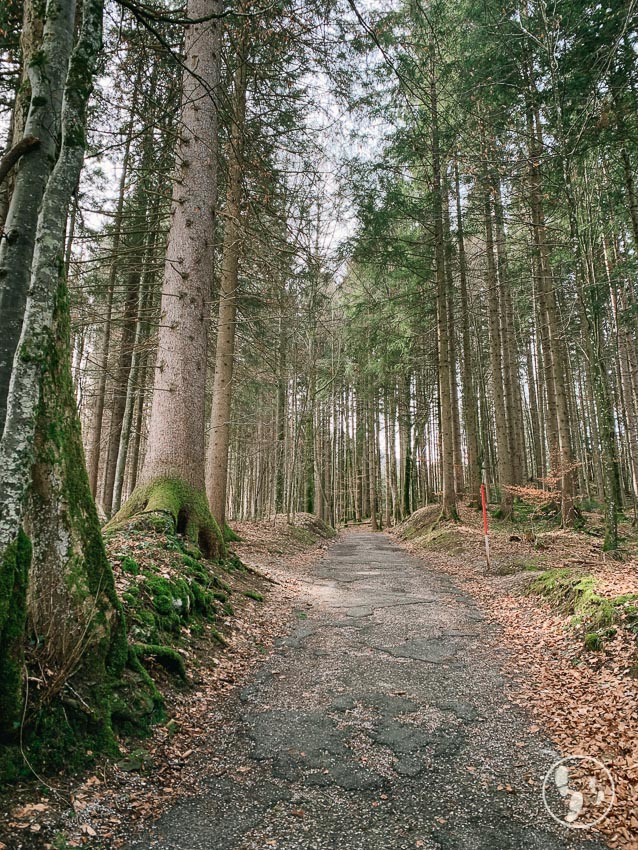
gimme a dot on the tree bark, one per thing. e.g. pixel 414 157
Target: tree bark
pixel 172 477
pixel 72 602
pixel 217 463
pixel 46 79
pixel 448 502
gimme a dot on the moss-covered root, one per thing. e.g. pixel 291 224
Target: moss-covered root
pixel 230 536
pixel 13 591
pixel 185 506
pixel 165 655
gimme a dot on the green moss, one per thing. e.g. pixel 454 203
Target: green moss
pixel 38 59
pixel 13 591
pixel 67 726
pixel 575 594
pixel 129 565
pixel 185 508
pixel 229 535
pixel 219 637
pixel 165 655
pixel 233 563
pixel 593 642
pixel 254 594
pixel 302 535
pixel 137 703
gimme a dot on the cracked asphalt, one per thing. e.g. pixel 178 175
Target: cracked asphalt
pixel 380 723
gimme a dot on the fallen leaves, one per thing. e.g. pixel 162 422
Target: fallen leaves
pixel 29 810
pixel 586 701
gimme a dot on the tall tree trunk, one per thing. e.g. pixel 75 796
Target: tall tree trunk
pixel 95 438
pixel 33 17
pixel 372 466
pixel 448 502
pixel 172 478
pixel 73 606
pixel 459 482
pixel 217 463
pixel 467 379
pixel 511 375
pixel 46 78
pixel 503 446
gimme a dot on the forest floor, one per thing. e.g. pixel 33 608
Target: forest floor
pixel 586 699
pixel 376 698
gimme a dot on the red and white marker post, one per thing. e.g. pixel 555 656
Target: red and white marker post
pixel 485 530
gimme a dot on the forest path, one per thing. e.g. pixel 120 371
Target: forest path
pixel 381 722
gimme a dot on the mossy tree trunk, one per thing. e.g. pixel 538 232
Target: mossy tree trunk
pixel 47 69
pixel 45 500
pixel 30 42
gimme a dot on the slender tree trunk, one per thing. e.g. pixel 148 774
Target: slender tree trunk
pixel 503 446
pixel 459 483
pixel 217 463
pixel 95 439
pixel 371 447
pixel 448 506
pixel 467 380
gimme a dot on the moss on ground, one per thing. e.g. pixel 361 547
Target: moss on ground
pixel 430 532
pixel 597 616
pixel 159 606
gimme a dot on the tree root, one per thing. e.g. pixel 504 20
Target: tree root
pixel 185 508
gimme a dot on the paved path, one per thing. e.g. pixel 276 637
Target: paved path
pixel 379 724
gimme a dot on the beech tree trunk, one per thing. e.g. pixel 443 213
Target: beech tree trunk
pixel 72 604
pixel 46 79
